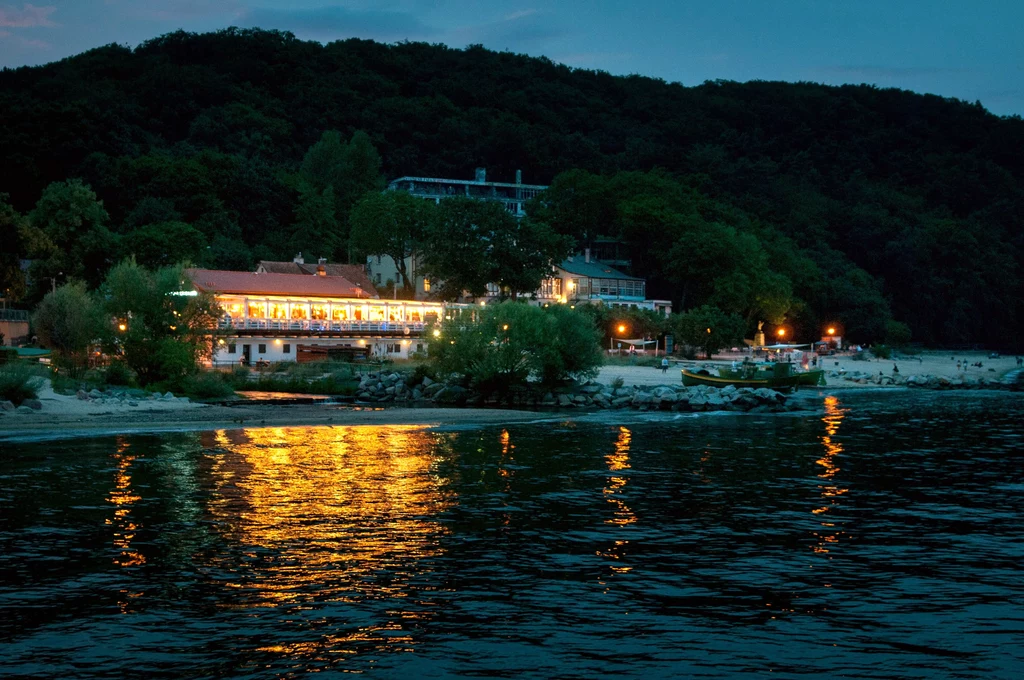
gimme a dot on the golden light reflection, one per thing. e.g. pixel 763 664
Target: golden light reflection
pixel 335 506
pixel 830 492
pixel 622 515
pixel 124 498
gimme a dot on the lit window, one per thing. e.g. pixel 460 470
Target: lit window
pixel 257 310
pixel 300 311
pixel 426 285
pixel 339 313
pixel 278 310
pixel 319 312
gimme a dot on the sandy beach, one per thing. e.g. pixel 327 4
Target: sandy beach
pixel 938 364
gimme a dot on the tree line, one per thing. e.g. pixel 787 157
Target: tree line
pixel 795 201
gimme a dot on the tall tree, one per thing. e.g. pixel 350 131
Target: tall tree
pixel 20 240
pixel 392 223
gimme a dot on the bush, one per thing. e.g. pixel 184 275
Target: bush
pixel 117 373
pixel 897 333
pixel 207 386
pixel 618 383
pixel 19 381
pixel 882 351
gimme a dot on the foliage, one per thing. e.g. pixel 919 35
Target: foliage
pixel 470 244
pixel 207 385
pixel 118 373
pixel 867 204
pixel 19 381
pixel 897 334
pixel 708 328
pixel 67 321
pixel 20 239
pixel 881 351
pixel 504 345
pixel 392 223
pixel 160 336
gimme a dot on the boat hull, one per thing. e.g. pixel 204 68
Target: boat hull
pixel 810 378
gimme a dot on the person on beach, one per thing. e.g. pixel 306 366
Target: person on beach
pixel 664 365
pixel 895 369
pixel 958 365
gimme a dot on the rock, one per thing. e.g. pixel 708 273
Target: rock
pixel 716 402
pixel 590 389
pixel 624 392
pixel 167 395
pixel 580 399
pixel 82 395
pixel 564 400
pixel 698 403
pixel 390 391
pixel 23 409
pixel 6 405
pixel 96 394
pixel 133 403
pixel 432 389
pixel 451 395
pixel 33 404
pixel 602 401
pixel 642 399
pixel 619 402
pixel 427 382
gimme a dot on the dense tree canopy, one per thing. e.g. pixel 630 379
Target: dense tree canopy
pixel 851 204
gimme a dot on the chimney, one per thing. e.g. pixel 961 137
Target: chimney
pixel 298 259
pixel 519 176
pixel 481 174
pixel 586 255
pixel 321 270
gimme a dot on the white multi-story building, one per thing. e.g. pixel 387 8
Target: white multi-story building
pixel 297 317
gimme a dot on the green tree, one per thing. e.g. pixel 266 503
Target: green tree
pixel 472 243
pixel 392 223
pixel 74 221
pixel 165 243
pixel 708 328
pixel 68 321
pixel 316 230
pixel 20 240
pixel 161 336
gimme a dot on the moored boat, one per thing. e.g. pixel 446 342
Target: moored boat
pixel 774 376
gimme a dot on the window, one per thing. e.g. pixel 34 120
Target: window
pixel 262 349
pixel 300 311
pixel 278 310
pixel 231 348
pixel 377 275
pixel 426 285
pixel 257 310
pixel 394 348
pixel 286 348
pixel 319 312
pixel 234 310
pixel 339 313
pixel 419 346
pixel 415 316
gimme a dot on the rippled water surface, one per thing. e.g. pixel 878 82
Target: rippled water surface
pixel 874 536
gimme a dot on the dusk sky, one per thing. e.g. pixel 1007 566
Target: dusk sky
pixel 970 50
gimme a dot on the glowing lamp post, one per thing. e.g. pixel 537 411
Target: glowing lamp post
pixel 781 333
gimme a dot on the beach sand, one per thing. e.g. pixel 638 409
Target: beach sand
pixel 927 363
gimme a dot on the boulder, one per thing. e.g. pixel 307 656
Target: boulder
pixel 82 395
pixel 6 405
pixel 452 394
pixel 619 402
pixel 565 400
pixel 548 400
pixel 133 403
pixel 432 389
pixel 591 389
pixel 33 404
pixel 23 409
pixel 427 382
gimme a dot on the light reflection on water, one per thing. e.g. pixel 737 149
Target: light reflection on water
pixel 646 548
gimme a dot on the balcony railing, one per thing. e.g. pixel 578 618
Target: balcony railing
pixel 322 326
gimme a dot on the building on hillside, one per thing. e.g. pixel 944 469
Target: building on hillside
pixel 297 317
pixel 513 196
pixel 581 280
pixel 355 273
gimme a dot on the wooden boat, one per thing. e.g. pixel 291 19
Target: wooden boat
pixel 776 376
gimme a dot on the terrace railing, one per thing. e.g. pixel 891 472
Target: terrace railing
pixel 321 326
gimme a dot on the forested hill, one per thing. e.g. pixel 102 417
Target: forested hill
pixel 208 132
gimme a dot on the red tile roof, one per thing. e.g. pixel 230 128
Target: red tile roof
pixel 355 273
pixel 250 283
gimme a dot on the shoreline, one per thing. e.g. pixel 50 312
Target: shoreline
pixel 56 426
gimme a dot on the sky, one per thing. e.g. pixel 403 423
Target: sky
pixel 968 49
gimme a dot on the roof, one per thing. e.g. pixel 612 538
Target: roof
pixel 473 182
pixel 593 270
pixel 251 283
pixel 356 273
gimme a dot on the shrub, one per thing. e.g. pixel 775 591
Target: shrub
pixel 117 373
pixel 882 351
pixel 618 383
pixel 207 386
pixel 897 333
pixel 19 381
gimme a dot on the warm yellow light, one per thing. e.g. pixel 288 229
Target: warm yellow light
pixel 781 332
pixel 221 341
pixel 622 328
pixel 277 342
pixel 831 331
pixel 483 303
pixel 504 327
pixel 437 332
pixel 709 331
pixel 122 327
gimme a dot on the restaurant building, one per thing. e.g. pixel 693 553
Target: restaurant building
pixel 270 317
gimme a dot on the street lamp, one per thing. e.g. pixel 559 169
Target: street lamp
pixel 831 331
pixel 781 333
